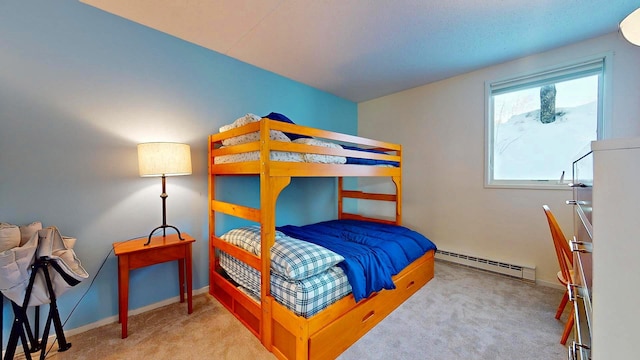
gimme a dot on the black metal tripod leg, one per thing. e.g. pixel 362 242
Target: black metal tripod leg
pixel 45 337
pixel 25 346
pixel 17 332
pixel 54 315
pixel 13 339
pixel 25 329
pixel 36 323
pixel 33 340
pixel 63 345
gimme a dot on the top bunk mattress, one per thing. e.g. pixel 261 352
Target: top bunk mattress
pixel 239 142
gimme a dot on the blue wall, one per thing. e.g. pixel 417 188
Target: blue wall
pixel 79 88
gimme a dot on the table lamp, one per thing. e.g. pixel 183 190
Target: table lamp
pixel 630 27
pixel 164 159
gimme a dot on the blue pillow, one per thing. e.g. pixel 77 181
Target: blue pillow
pixel 282 118
pixel 361 161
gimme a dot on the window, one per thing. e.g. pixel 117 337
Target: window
pixel 538 124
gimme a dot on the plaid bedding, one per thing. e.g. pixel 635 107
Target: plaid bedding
pixel 292 258
pixel 304 297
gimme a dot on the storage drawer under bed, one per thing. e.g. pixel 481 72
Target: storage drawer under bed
pixel 344 331
pixel 328 336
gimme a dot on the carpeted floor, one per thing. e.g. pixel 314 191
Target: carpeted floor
pixel 461 314
pixel 469 314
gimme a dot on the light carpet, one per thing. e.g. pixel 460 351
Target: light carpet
pixel 461 314
pixel 469 314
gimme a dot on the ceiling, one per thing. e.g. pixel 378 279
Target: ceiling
pixel 364 49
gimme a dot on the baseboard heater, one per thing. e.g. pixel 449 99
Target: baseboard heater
pixel 517 271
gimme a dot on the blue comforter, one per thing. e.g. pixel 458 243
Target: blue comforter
pixel 373 252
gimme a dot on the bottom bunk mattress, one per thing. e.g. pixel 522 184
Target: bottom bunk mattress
pixel 305 297
pixel 316 265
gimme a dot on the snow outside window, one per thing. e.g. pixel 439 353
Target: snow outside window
pixel 538 124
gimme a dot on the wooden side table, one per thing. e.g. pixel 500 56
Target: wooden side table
pixel 133 254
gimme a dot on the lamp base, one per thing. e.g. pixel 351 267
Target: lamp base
pixel 163 227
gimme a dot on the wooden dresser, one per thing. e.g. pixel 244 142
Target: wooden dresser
pixel 580 291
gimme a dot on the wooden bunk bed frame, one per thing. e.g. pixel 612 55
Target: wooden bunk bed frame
pixel 330 332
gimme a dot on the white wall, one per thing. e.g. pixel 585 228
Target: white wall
pixel 442 128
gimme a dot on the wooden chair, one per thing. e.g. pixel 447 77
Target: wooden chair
pixel 565 275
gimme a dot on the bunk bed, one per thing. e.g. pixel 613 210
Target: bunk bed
pixel 277 150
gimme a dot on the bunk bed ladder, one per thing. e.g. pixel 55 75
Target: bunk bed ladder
pixel 355 194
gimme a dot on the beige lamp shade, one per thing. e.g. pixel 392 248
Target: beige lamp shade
pixel 164 159
pixel 630 27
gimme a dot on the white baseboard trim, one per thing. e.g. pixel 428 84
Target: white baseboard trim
pixel 106 321
pixel 514 270
pixel 551 284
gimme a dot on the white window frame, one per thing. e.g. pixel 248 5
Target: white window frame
pixel 540 76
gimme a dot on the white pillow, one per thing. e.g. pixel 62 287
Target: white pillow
pixel 27 231
pixel 9 236
pixel 247 119
pixel 251 137
pixel 254 136
pixel 319 158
